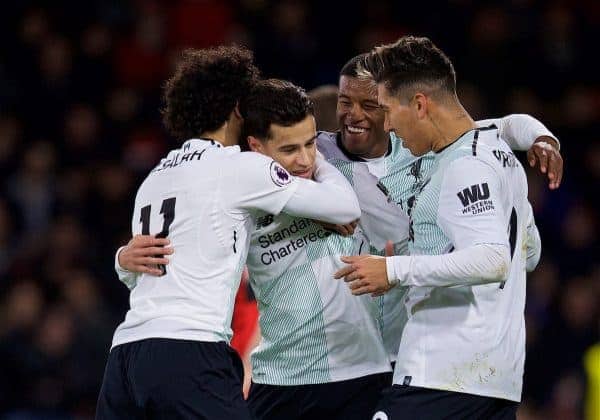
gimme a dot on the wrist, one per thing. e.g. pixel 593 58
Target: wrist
pixel 118 265
pixel 551 141
pixel 391 271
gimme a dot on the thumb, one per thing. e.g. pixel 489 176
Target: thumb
pixel 389 249
pixel 348 259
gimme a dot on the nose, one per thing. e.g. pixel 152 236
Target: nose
pixel 356 112
pixel 387 126
pixel 303 157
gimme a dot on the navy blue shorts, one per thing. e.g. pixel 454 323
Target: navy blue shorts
pixel 411 402
pixel 172 379
pixel 348 400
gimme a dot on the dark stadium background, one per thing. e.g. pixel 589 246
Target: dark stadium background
pixel 79 128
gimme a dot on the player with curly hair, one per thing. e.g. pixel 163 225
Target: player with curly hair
pixel 170 357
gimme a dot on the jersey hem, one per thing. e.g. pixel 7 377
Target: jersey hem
pixel 465 390
pixel 338 378
pixel 204 337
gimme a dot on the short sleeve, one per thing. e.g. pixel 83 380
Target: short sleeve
pixel 259 183
pixel 471 204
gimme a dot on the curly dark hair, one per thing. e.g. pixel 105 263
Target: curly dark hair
pixel 273 101
pixel 205 88
pixel 410 61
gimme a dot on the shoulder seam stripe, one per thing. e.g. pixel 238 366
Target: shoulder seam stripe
pixel 474 145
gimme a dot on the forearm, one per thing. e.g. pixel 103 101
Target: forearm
pixel 331 199
pixel 477 264
pixel 520 131
pixel 534 247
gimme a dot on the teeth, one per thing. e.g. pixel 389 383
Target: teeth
pixel 355 130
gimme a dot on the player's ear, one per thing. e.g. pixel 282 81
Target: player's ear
pixel 236 111
pixel 420 105
pixel 255 144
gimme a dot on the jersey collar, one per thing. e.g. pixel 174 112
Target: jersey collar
pixel 459 139
pixel 352 156
pixel 202 142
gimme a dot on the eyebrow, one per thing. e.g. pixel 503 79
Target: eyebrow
pixel 312 138
pixel 362 100
pixel 295 145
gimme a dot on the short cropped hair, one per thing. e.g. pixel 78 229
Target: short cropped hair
pixel 273 101
pixel 206 86
pixel 410 62
pixel 351 68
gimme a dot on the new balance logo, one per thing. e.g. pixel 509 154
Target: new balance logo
pixel 264 221
pixel 474 193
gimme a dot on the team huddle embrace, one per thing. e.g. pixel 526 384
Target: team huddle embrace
pixel 388 259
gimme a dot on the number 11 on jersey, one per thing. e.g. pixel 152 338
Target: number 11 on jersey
pixel 167 209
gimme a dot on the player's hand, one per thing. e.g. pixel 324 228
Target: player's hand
pixel 545 154
pixel 144 253
pixel 389 252
pixel 365 274
pixel 344 230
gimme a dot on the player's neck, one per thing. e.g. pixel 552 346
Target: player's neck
pixel 379 150
pixel 449 124
pixel 222 135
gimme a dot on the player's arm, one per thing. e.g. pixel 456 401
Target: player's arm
pixel 475 228
pixel 520 131
pixel 330 199
pixel 265 185
pixel 482 252
pixel 524 132
pixel 534 243
pixel 382 219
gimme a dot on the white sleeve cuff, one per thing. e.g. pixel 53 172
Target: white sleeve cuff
pixel 128 278
pixel 477 264
pixel 397 268
pixel 118 267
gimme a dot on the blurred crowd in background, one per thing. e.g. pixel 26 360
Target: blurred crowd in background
pixel 80 127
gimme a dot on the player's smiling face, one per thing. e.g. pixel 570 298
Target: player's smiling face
pixel 401 119
pixel 293 147
pixel 360 118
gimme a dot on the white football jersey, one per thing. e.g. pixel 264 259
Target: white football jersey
pixel 401 175
pixel 205 198
pixel 469 338
pixel 384 216
pixel 313 330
